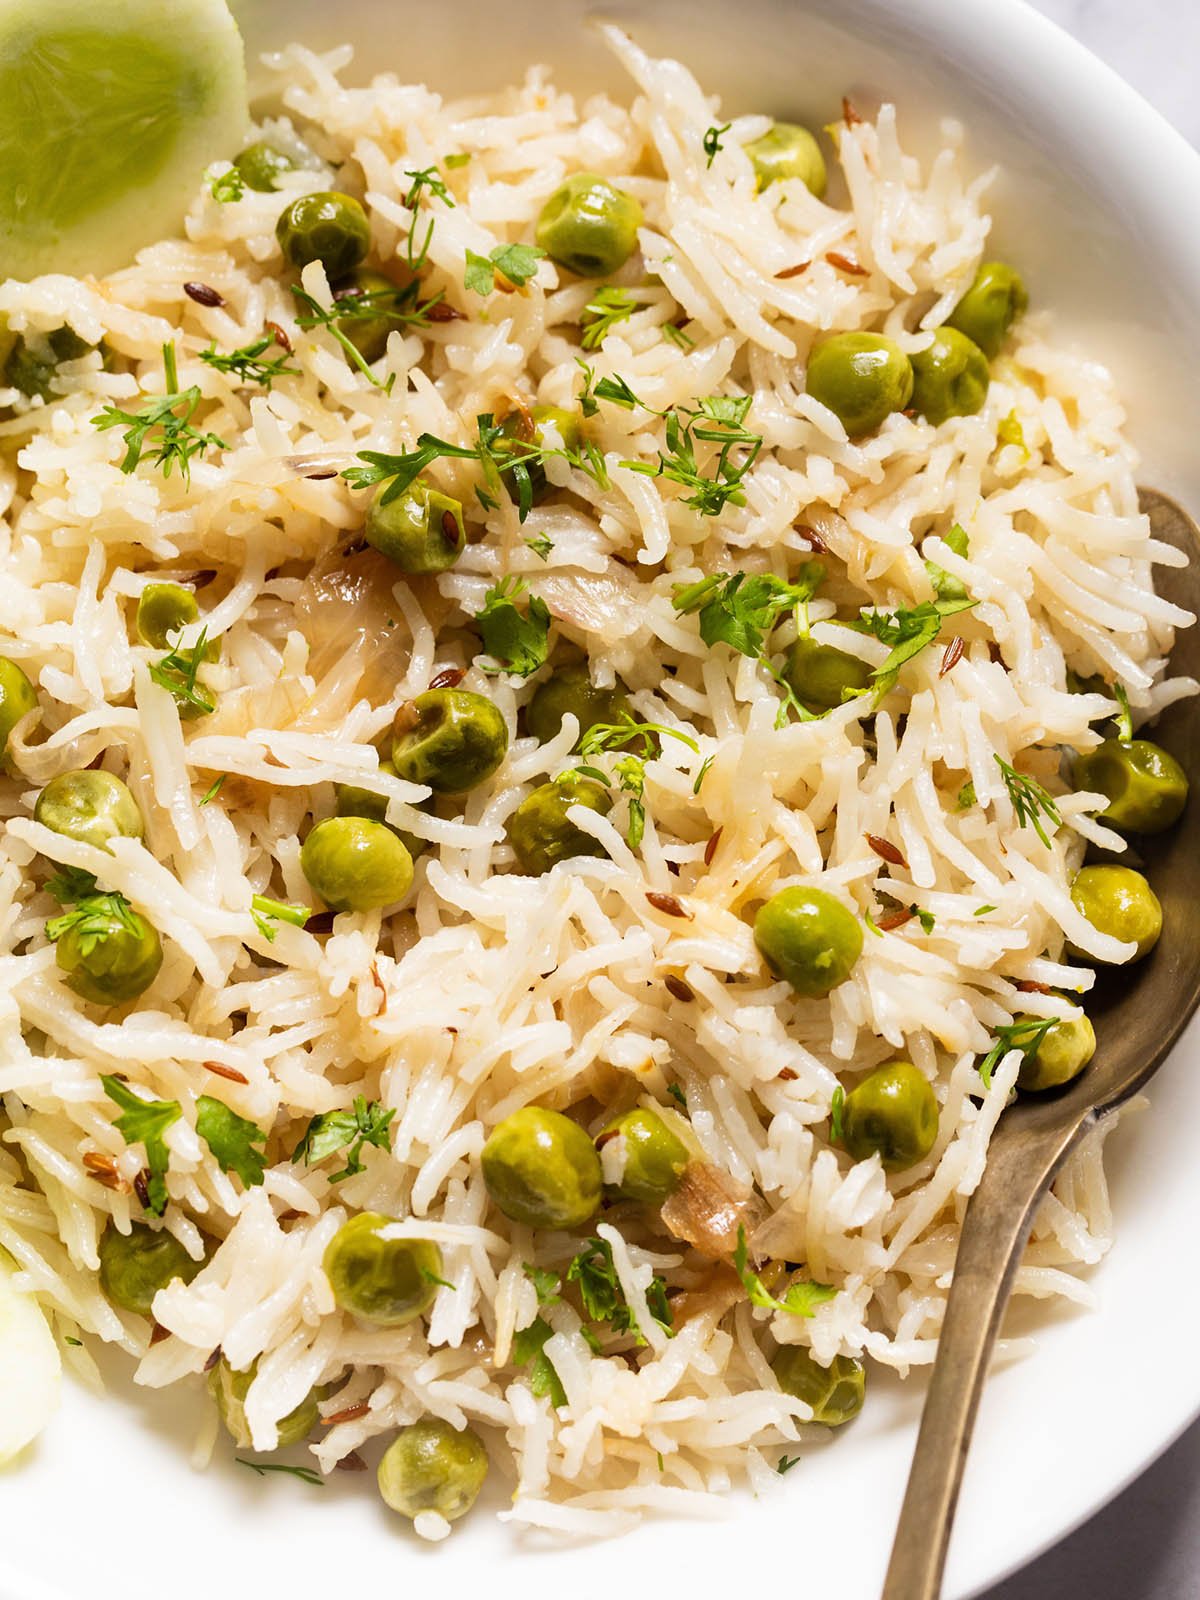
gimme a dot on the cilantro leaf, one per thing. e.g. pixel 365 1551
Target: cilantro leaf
pixel 515 262
pixel 228 186
pixel 96 917
pixel 362 1125
pixel 717 419
pixel 267 912
pixel 603 1298
pixel 785 1464
pixel 70 884
pixel 231 1139
pixel 545 1283
pixel 926 918
pixel 945 586
pixel 609 306
pixel 246 362
pixel 178 673
pixel 741 609
pixel 712 141
pixel 518 642
pixel 801 1299
pixel 527 1347
pixel 908 633
pixel 1026 1034
pixel 144 1122
pixel 163 424
pixel 1029 800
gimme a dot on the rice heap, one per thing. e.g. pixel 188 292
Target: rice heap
pixel 490 989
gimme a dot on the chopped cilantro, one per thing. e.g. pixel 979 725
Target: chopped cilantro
pixel 712 141
pixel 800 1299
pixel 362 1125
pixel 603 1298
pixel 515 262
pixel 545 1283
pixel 165 423
pixel 1025 1035
pixel 515 641
pixel 945 586
pixel 785 1464
pixel 178 673
pixel 925 918
pixel 527 1348
pixel 246 362
pixel 836 1107
pixel 908 632
pixel 607 307
pixel 232 1140
pixel 266 912
pixel 144 1122
pixel 214 789
pixel 717 419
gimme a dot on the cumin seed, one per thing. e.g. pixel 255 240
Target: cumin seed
pixel 347 1415
pixel 786 1075
pixel 203 294
pixel 352 1463
pixel 815 542
pixel 952 655
pixel 667 904
pixel 894 920
pixel 886 850
pixel 445 313
pixel 448 678
pixel 158 1333
pixel 320 477
pixel 849 115
pixel 1032 986
pixel 846 264
pixel 676 986
pixel 233 1075
pixel 280 336
pixel 141 1187
pixel 450 529
pixel 796 271
pixel 213 1359
pixel 710 849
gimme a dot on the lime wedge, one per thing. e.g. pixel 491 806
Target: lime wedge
pixel 30 1370
pixel 109 114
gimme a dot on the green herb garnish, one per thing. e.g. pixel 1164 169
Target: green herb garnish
pixel 800 1299
pixel 712 141
pixel 144 1122
pixel 232 1140
pixel 609 306
pixel 1030 801
pixel 836 1107
pixel 1026 1035
pixel 604 1299
pixel 717 419
pixel 305 1474
pixel 163 426
pixel 908 632
pixel 246 362
pixel 516 641
pixel 527 1347
pixel 945 586
pixel 515 262
pixel 362 1125
pixel 178 672
pixel 267 912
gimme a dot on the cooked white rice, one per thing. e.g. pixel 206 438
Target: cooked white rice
pixel 490 989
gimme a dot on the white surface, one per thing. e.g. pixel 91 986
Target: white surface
pixel 1099 205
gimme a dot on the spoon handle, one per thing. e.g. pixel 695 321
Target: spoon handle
pixel 995 1229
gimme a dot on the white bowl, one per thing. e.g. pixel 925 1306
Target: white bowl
pixel 1098 205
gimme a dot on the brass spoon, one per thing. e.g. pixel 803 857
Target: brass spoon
pixel 1138 1015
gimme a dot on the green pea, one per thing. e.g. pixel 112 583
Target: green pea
pixel 1062 1053
pixel 533 428
pixel 450 739
pixel 835 1392
pixel 355 864
pixel 950 378
pixel 821 676
pixel 385 1281
pixel 229 1389
pixel 260 163
pixel 893 1112
pixel 351 801
pixel 589 225
pixel 420 529
pixel 1119 902
pixel 542 834
pixel 787 150
pixel 571 690
pixel 862 378
pixel 430 1466
pixel 92 807
pixel 113 957
pixel 18 697
pixel 386 301
pixel 134 1266
pixel 655 1158
pixel 990 306
pixel 328 227
pixel 1147 789
pixel 541 1168
pixel 809 938
pixel 162 610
